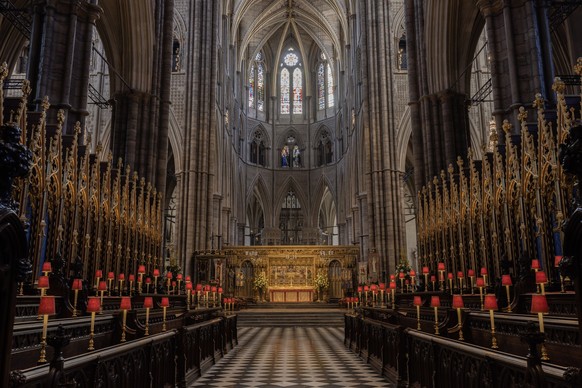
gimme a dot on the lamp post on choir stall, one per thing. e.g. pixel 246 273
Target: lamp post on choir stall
pixel 140 272
pixel 461 278
pixel 433 281
pixel 471 274
pixel 198 293
pixel 125 305
pixel 43 284
pixel 47 268
pixel 148 303
pixel 539 305
pixel 425 272
pixel 435 302
pixel 458 304
pixel 77 285
pixel 507 282
pixel 102 288
pixel 392 289
pixel 98 276
pixel 484 274
pixel 541 280
pixel 480 285
pixel 382 288
pixel 45 308
pixel 417 302
pixel 491 305
pixel 93 306
pixel 188 295
pixel 169 281
pixel 148 282
pixel 413 279
pixel 450 277
pixel 165 304
pixel 120 279
pixel 441 269
pixel 110 279
pixel 156 276
pixel 179 278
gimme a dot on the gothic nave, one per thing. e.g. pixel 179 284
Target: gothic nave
pixel 290 193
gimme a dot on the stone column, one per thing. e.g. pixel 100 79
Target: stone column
pixel 60 55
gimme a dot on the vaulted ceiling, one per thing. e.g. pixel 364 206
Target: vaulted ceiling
pixel 267 25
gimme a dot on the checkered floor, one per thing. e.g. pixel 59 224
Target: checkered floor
pixel 291 357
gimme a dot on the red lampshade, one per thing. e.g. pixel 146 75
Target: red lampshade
pixel 471 272
pixel 366 288
pixel 121 276
pixel 141 269
pixel 213 289
pixel 506 280
pixel 392 277
pixel 359 288
pixel 173 283
pixel 401 275
pixel 425 270
pixel 77 284
pixel 432 278
pixel 199 287
pixel 156 272
pixel 441 266
pixel 407 281
pixel 450 275
pixel 98 273
pixel 220 290
pixel 47 305
pixel 535 264
pixel 148 302
pixel 480 282
pixel 188 286
pixel 539 304
pixel 460 275
pixel 374 287
pixel 484 271
pixel 46 266
pixel 417 300
pixel 102 285
pixel 179 276
pixel 188 278
pixel 356 299
pixel 125 303
pixel 382 286
pixel 435 301
pixel 392 285
pixel 148 280
pixel 541 277
pixel 93 305
pixel 490 302
pixel 412 272
pixel 165 302
pixel 458 301
pixel 131 277
pixel 110 275
pixel 557 261
pixel 43 282
pixel 169 275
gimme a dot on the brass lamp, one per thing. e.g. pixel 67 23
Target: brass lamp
pixel 168 281
pixel 47 268
pixel 491 305
pixel 45 308
pixel 43 284
pixel 121 279
pixel 507 282
pixel 110 278
pixel 156 276
pixel 125 305
pixel 541 280
pixel 459 304
pixel 539 305
pixel 131 280
pixel 435 302
pixel 148 282
pixel 140 272
pixel 76 287
pixel 102 288
pixel 98 276
pixel 382 288
pixel 433 281
pixel 417 302
pixel 188 295
pixel 148 303
pixel 471 274
pixel 392 290
pixel 480 285
pixel 93 306
pixel 412 277
pixel 441 269
pixel 179 278
pixel 461 278
pixel 484 274
pixel 450 277
pixel 425 272
pixel 165 303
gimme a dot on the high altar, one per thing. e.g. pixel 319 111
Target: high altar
pixel 290 270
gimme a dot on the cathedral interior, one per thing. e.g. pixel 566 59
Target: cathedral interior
pixel 216 192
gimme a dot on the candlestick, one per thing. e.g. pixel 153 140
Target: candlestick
pixel 165 304
pixel 435 302
pixel 459 304
pixel 45 308
pixel 148 303
pixel 417 302
pixel 491 305
pixel 507 282
pixel 125 305
pixel 93 306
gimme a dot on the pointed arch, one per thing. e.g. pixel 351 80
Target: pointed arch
pixel 290 184
pixel 323 185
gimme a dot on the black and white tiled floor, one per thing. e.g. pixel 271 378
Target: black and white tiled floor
pixel 291 357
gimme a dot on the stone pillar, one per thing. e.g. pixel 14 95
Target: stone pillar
pixel 60 55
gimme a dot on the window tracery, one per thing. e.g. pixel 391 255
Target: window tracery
pixel 291 83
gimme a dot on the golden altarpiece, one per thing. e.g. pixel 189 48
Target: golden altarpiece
pixel 290 271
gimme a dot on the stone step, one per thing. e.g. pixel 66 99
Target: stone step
pixel 287 318
pixel 293 306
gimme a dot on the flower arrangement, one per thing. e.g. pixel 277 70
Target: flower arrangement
pixel 260 282
pixel 321 282
pixel 403 266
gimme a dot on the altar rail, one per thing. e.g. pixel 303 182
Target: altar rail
pixel 420 359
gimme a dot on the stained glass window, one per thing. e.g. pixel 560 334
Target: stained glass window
pixel 330 100
pixel 297 91
pixel 285 156
pixel 291 59
pixel 260 86
pixel 321 86
pixel 296 156
pixel 252 86
pixel 285 89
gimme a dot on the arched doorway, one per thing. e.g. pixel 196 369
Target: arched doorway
pixel 244 280
pixel 335 280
